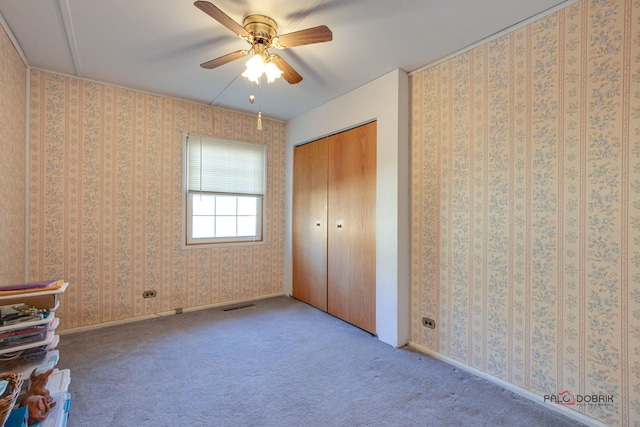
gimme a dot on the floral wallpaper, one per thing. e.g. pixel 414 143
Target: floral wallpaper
pixel 105 201
pixel 13 87
pixel 526 207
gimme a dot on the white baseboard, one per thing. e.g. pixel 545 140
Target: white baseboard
pixel 165 313
pixel 570 413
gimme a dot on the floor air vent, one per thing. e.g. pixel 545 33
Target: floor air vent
pixel 237 307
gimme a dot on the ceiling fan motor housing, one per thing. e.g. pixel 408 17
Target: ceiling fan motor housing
pixel 262 28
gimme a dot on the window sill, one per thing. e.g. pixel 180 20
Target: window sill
pixel 221 244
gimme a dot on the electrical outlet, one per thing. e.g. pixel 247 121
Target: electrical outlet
pixel 428 323
pixel 149 294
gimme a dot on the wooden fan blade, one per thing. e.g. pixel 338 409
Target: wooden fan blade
pixel 298 38
pixel 224 59
pixel 222 18
pixel 288 73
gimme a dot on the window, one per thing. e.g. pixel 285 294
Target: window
pixel 224 191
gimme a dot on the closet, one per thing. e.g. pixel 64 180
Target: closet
pixel 334 224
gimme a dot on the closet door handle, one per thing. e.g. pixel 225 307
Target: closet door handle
pixel 339 225
pixel 318 224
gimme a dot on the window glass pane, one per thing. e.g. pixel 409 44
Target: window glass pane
pixel 202 227
pixel 203 204
pixel 247 205
pixel 226 205
pixel 225 226
pixel 246 226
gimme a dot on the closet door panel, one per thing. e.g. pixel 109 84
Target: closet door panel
pixel 352 223
pixel 309 226
pixel 339 250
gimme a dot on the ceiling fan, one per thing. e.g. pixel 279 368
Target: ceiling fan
pixel 261 32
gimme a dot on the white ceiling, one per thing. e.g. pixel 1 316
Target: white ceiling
pixel 158 45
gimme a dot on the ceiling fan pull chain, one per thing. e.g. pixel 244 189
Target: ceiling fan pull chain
pixel 260 104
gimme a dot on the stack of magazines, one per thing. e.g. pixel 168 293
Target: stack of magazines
pixel 20 313
pixel 27 324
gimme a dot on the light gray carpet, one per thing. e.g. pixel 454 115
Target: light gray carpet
pixel 277 363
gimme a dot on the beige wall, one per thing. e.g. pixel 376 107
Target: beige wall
pixel 106 202
pixel 526 206
pixel 13 87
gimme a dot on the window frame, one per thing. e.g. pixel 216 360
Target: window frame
pixel 187 208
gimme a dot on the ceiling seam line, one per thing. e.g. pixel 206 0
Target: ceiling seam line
pixel 300 16
pixel 67 23
pixel 215 100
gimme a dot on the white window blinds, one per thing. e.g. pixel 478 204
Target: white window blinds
pixel 216 166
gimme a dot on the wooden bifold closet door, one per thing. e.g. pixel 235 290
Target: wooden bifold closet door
pixel 346 221
pixel 310 224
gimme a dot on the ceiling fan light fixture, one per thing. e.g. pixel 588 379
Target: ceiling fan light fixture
pixel 272 72
pixel 257 65
pixel 255 69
